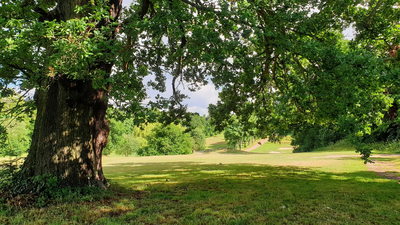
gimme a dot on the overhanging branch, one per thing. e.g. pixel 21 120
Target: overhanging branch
pixel 23 70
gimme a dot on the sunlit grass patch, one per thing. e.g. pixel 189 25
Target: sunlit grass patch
pixel 213 171
pixel 283 147
pixel 153 176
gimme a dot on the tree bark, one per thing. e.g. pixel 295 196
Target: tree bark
pixel 71 129
pixel 68 136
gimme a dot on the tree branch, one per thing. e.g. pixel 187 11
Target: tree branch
pixel 374 12
pixel 23 70
pixel 209 9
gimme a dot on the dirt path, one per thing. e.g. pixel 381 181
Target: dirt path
pixel 256 145
pixel 385 169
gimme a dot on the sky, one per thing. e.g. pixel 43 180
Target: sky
pixel 199 100
pixel 127 2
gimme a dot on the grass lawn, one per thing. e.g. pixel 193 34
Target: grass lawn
pixel 223 188
pixel 283 147
pixel 216 142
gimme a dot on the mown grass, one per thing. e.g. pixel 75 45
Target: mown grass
pixel 222 188
pixel 282 147
pixel 216 142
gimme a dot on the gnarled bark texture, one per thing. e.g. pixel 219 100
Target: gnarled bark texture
pixel 71 128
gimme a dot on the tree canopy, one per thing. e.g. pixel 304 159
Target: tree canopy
pixel 296 69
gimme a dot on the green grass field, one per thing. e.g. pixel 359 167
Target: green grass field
pixel 232 187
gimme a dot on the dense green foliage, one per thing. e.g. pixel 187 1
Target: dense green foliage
pixel 127 139
pixel 167 140
pixel 199 139
pixel 17 125
pixel 234 135
pixel 117 131
pixel 203 123
pixel 199 129
pixel 239 136
pixel 130 146
pixel 310 137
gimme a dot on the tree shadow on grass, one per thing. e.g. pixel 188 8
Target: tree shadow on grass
pixel 142 172
pixel 193 193
pixel 217 145
pixel 389 159
pixel 241 152
pixel 232 152
pixel 181 172
pixel 196 193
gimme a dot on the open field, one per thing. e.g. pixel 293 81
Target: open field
pixel 233 187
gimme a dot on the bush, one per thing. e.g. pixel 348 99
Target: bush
pixel 199 139
pixel 386 132
pixel 386 147
pixel 341 145
pixel 168 140
pixel 129 146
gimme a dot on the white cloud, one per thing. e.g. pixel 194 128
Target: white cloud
pixel 201 111
pixel 200 99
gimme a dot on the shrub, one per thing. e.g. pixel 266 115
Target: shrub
pixel 130 145
pixel 168 140
pixel 199 139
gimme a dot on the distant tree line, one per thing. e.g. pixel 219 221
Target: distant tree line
pixel 126 138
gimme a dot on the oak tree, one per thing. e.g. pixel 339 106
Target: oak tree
pixel 78 56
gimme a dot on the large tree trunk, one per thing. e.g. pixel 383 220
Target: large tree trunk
pixel 71 128
pixel 69 135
